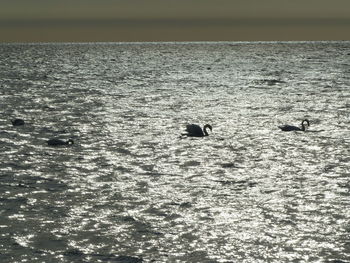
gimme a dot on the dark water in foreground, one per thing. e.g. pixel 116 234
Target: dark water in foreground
pixel 130 189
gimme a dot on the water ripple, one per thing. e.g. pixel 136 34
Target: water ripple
pixel 131 189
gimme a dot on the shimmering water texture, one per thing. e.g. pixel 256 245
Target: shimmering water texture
pixel 131 189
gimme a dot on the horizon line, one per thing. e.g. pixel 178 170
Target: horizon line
pixel 172 22
pixel 177 42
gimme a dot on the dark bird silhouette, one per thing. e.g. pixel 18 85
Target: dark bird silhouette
pixel 194 130
pixel 17 122
pixel 294 128
pixel 58 142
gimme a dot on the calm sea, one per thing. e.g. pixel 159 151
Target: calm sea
pixel 130 189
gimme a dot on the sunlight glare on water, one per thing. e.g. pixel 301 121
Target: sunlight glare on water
pixel 131 189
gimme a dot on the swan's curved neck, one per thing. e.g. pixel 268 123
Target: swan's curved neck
pixel 303 125
pixel 205 131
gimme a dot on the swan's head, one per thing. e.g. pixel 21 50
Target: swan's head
pixel 208 126
pixel 307 122
pixel 70 141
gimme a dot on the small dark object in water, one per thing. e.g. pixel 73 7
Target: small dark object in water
pixel 58 142
pixel 126 259
pixel 17 122
pixel 272 82
pixel 194 130
pixel 294 128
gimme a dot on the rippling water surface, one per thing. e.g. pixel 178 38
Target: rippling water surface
pixel 131 189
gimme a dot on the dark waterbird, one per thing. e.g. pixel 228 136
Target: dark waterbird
pixel 58 142
pixel 294 128
pixel 194 130
pixel 17 122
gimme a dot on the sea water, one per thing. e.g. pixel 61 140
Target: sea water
pixel 132 189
